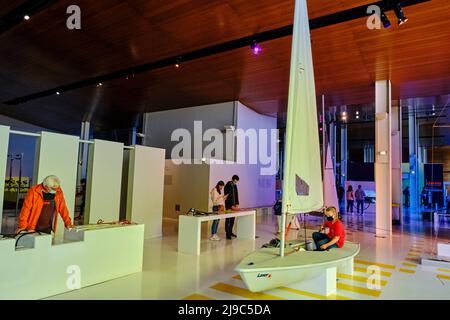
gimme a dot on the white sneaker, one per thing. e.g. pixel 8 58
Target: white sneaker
pixel 214 238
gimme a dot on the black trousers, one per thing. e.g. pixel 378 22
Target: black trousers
pixel 350 206
pixel 360 204
pixel 229 223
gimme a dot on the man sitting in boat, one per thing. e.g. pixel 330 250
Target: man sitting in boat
pixel 336 234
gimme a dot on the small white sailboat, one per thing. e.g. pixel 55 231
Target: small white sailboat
pixel 269 268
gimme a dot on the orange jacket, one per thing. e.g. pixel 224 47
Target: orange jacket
pixel 32 207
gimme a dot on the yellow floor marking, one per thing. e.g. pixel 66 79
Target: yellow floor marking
pixel 411 259
pixel 383 273
pixel 314 295
pixel 382 265
pixel 308 294
pixel 241 292
pixel 413 255
pixel 406 264
pixel 358 278
pixel 407 270
pixel 369 292
pixel 441 276
pixel 197 297
pixel 443 270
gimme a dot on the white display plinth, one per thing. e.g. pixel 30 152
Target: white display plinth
pixel 189 229
pixel 41 269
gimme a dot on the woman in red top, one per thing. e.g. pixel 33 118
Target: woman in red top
pixel 336 234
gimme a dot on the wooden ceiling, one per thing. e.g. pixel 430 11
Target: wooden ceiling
pixel 42 54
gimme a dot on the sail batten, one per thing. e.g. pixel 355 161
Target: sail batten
pixel 302 149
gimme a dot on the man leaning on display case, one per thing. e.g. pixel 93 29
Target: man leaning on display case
pixel 42 204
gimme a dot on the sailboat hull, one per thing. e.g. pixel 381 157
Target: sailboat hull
pixel 264 269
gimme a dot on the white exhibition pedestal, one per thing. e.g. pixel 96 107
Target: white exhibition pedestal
pixel 189 229
pixel 84 258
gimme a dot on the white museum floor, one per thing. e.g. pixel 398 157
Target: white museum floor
pixel 169 275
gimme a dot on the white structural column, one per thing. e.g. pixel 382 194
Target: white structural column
pixel 83 153
pixel 343 149
pixel 4 142
pixel 396 130
pixel 413 147
pixel 57 154
pixel 146 188
pixel 383 169
pixel 104 181
pixel 332 129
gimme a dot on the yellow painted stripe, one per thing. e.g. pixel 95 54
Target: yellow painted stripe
pixel 368 292
pixel 407 270
pixel 411 259
pixel 444 270
pixel 313 295
pixel 241 292
pixel 197 297
pixel 383 273
pixel 406 264
pixel 358 278
pixel 382 265
pixel 238 277
pixel 441 276
pixel 413 255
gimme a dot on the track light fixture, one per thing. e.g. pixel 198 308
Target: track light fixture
pixel 400 14
pixel 178 63
pixel 385 20
pixel 256 48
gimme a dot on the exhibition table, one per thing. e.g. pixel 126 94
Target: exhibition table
pixel 38 269
pixel 189 229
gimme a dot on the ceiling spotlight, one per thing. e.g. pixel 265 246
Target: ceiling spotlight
pixel 256 48
pixel 178 62
pixel 57 92
pixel 99 84
pixel 400 14
pixel 26 17
pixel 357 112
pixel 385 20
pixel 357 117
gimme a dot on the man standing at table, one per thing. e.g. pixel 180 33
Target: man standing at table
pixel 231 203
pixel 41 207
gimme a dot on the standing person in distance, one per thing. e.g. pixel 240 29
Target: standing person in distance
pixel 341 193
pixel 231 203
pixel 406 194
pixel 350 199
pixel 360 196
pixel 218 201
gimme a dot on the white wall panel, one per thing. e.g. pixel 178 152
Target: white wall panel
pixel 146 188
pixel 186 186
pixel 4 141
pixel 104 181
pixel 57 154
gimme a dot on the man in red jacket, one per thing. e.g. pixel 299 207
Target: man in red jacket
pixel 42 204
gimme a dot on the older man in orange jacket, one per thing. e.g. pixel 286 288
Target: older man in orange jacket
pixel 42 204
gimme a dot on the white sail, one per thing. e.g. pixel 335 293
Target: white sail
pixel 329 182
pixel 302 166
